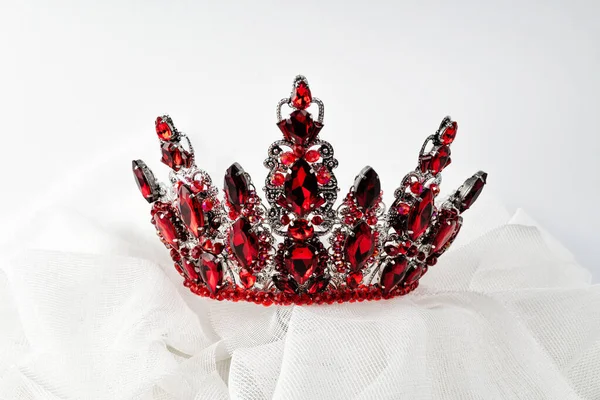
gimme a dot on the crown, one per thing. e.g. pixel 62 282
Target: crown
pixel 298 247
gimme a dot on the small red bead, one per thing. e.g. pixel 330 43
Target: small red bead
pixel 207 205
pixel 323 176
pixel 403 209
pixel 312 156
pixel 278 179
pixel 317 220
pixel 435 189
pixel 288 158
pixel 354 279
pixel 285 219
pixel 416 187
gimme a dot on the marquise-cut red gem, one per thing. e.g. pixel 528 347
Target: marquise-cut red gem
pixel 300 261
pixel 236 187
pixel 243 242
pixel 450 133
pixel 175 156
pixel 447 225
pixel 413 274
pixel 300 127
pixel 302 96
pixel 301 189
pixel 319 284
pixel 190 270
pixel 359 246
pixel 285 284
pixel 420 215
pixel 477 183
pixel 163 129
pixel 247 278
pixel 165 225
pixel 439 160
pixel 392 274
pixel 367 188
pixel 145 180
pixel 211 271
pixel 301 230
pixel 190 209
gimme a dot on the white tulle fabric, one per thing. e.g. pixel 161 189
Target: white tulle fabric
pixel 97 312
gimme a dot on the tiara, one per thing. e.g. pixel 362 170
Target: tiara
pixel 296 247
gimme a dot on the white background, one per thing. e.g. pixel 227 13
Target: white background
pixel 82 80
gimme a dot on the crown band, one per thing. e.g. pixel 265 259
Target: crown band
pixel 297 247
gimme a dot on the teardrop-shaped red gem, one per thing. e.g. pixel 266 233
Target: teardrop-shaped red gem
pixel 164 128
pixel 439 160
pixel 163 220
pixel 301 189
pixel 302 96
pixel 367 188
pixel 300 127
pixel 301 230
pixel 300 261
pixel 392 273
pixel 190 270
pixel 285 284
pixel 319 284
pixel 476 183
pixel 190 209
pixel 446 227
pixel 247 278
pixel 243 242
pixel 211 271
pixel 420 215
pixel 145 180
pixel 175 156
pixel 236 187
pixel 359 246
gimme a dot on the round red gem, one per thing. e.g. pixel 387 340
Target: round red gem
pixel 243 242
pixel 300 261
pixel 391 250
pixel 190 210
pixel 236 187
pixel 163 128
pixel 420 215
pixel 449 133
pixel 196 251
pixel 301 230
pixel 367 188
pixel 403 209
pixel 416 187
pixel 323 176
pixel 359 246
pixel 312 156
pixel 431 261
pixel 317 220
pixel 302 96
pixel 278 179
pixel 354 279
pixel 435 189
pixel 392 273
pixel 285 219
pixel 247 278
pixel 300 127
pixel 288 158
pixel 207 205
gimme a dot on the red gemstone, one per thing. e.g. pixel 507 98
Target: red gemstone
pixel 439 160
pixel 300 261
pixel 317 220
pixel 312 156
pixel 323 176
pixel 300 127
pixel 211 271
pixel 319 284
pixel 175 156
pixel 236 187
pixel 446 227
pixel 285 284
pixel 420 215
pixel 145 180
pixel 425 162
pixel 301 230
pixel 302 96
pixel 354 279
pixel 476 184
pixel 413 274
pixel 367 188
pixel 359 246
pixel 278 179
pixel 246 278
pixel 207 205
pixel 243 242
pixel 392 273
pixel 190 270
pixel 285 219
pixel 164 128
pixel 288 158
pixel 301 189
pixel 164 223
pixel 403 209
pixel 450 133
pixel 416 187
pixel 190 209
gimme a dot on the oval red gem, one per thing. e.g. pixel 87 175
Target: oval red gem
pixel 367 188
pixel 413 274
pixel 190 270
pixel 301 230
pixel 211 271
pixel 164 128
pixel 300 127
pixel 359 246
pixel 302 96
pixel 420 215
pixel 447 225
pixel 301 189
pixel 475 186
pixel 236 187
pixel 145 180
pixel 243 242
pixel 392 273
pixel 449 133
pixel 439 160
pixel 354 279
pixel 190 209
pixel 300 261
pixel 247 278
pixel 163 220
pixel 175 156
